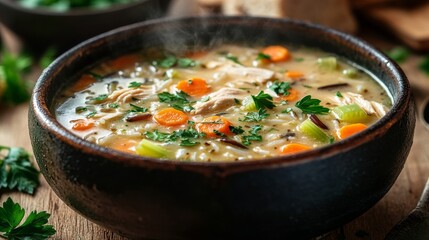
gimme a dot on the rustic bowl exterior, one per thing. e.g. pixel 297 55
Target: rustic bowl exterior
pixel 290 197
pixel 41 28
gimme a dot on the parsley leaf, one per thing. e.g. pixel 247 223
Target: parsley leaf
pixel 134 84
pixel 13 89
pixel 99 99
pixel 310 105
pixel 255 116
pixel 263 100
pixel 186 63
pixel 179 100
pixel 262 56
pixel 236 130
pixel 186 137
pixel 16 171
pixel 136 109
pixel 232 58
pixel 34 227
pixel 252 136
pixel 281 87
pixel 338 94
pixel 399 54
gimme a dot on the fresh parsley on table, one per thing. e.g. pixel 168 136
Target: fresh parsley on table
pixel 16 170
pixel 34 226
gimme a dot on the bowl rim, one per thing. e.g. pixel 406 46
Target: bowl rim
pixel 47 119
pixel 74 12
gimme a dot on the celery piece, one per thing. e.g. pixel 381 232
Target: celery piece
pixel 350 72
pixel 350 113
pixel 327 63
pixel 312 130
pixel 248 104
pixel 150 149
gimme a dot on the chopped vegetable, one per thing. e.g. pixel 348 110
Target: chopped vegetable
pixel 328 63
pixel 276 53
pixel 82 124
pixel 126 145
pixel 150 149
pixel 211 124
pixel 262 56
pixel 312 130
pixel 293 148
pixel 248 104
pixel 294 74
pixel 17 171
pixel 351 129
pixel 187 137
pixel 399 54
pixel 236 130
pixel 194 87
pixel 351 113
pixel 263 100
pixel 350 72
pixel 292 96
pixel 123 62
pixel 34 226
pixel 170 117
pixel 311 106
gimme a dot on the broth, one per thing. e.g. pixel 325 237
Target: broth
pixel 229 103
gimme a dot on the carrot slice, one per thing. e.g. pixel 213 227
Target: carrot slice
pixel 294 148
pixel 194 87
pixel 123 62
pixel 170 117
pixel 213 124
pixel 294 74
pixel 293 95
pixel 82 124
pixel 123 145
pixel 276 53
pixel 83 82
pixel 351 129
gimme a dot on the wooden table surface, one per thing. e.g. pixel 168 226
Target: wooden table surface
pixel 374 224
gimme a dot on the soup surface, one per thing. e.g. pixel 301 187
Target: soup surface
pixel 228 103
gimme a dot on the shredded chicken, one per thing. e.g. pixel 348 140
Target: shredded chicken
pixel 102 118
pixel 242 73
pixel 127 94
pixel 219 100
pixel 370 107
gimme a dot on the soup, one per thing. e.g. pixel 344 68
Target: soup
pixel 228 103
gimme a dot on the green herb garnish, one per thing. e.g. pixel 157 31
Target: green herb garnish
pixel 17 171
pixel 338 94
pixel 135 84
pixel 136 109
pixel 263 100
pixel 255 116
pixel 171 61
pixel 186 137
pixel 262 56
pixel 310 105
pixel 34 227
pixel 252 136
pixel 179 100
pixel 281 87
pixel 236 130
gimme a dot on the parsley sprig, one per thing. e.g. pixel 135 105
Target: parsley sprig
pixel 255 116
pixel 263 100
pixel 16 170
pixel 187 137
pixel 179 100
pixel 310 105
pixel 281 88
pixel 252 135
pixel 34 227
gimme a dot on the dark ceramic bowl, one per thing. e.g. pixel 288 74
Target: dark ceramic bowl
pixel 287 197
pixel 41 27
